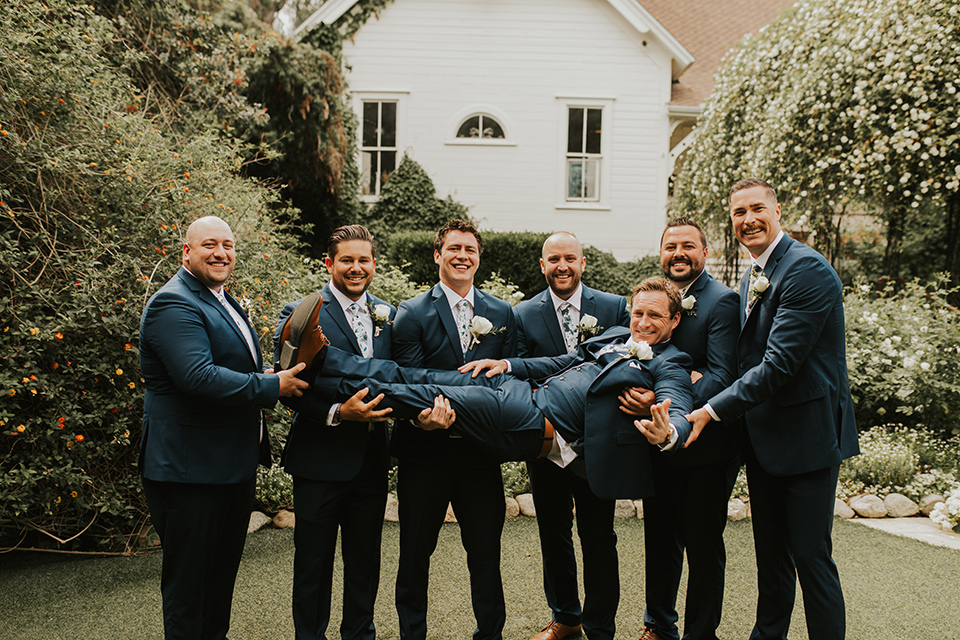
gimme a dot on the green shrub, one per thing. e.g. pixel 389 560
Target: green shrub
pixel 274 489
pixel 885 461
pixel 516 480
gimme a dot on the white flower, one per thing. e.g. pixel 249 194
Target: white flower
pixel 480 327
pixel 381 313
pixel 639 350
pixel 689 305
pixel 761 284
pixel 588 326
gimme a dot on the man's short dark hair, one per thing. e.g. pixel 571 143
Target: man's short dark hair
pixel 683 221
pixel 657 283
pixel 345 234
pixel 749 183
pixel 456 225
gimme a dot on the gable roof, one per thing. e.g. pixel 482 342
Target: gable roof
pixel 709 29
pixel 631 10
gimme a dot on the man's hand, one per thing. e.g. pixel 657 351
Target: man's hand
pixel 636 401
pixel 657 431
pixel 493 367
pixel 698 420
pixel 357 410
pixel 440 416
pixel 290 384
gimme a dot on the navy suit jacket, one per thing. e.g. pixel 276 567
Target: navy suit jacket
pixel 616 454
pixel 710 339
pixel 204 389
pixel 425 336
pixel 793 391
pixel 538 327
pixel 315 450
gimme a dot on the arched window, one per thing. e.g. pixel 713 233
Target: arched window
pixel 480 126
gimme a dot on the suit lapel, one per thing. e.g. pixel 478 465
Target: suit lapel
pixel 479 309
pixel 442 308
pixel 340 318
pixel 380 342
pixel 206 296
pixel 550 320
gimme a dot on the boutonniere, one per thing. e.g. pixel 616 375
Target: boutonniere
pixel 689 305
pixel 588 326
pixel 639 350
pixel 480 327
pixel 380 314
pixel 758 287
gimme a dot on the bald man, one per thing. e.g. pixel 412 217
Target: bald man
pixel 203 433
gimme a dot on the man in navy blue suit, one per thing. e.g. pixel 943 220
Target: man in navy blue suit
pixel 689 508
pixel 553 323
pixel 445 327
pixel 337 453
pixel 203 432
pixel 793 398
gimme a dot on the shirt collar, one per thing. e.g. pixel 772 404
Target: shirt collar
pixel 453 297
pixel 575 299
pixel 686 289
pixel 765 256
pixel 345 302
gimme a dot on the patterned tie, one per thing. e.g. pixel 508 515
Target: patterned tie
pixel 752 295
pixel 359 330
pixel 462 325
pixel 569 331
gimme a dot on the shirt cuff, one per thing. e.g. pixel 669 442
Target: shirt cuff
pixel 332 415
pixel 672 440
pixel 713 414
pixel 509 366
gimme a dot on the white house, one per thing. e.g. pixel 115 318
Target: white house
pixel 538 115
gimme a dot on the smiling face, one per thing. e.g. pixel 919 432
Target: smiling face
pixel 650 318
pixel 562 264
pixel 209 252
pixel 682 254
pixel 755 214
pixel 458 259
pixel 351 269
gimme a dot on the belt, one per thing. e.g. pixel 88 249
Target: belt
pixel 548 433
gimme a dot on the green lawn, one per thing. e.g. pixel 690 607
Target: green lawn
pixel 895 587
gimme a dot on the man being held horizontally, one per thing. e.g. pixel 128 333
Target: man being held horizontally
pixel 445 327
pixel 688 511
pixel 793 397
pixel 337 453
pixel 203 433
pixel 551 324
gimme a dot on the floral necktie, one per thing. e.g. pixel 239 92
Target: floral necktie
pixel 463 325
pixel 569 331
pixel 359 330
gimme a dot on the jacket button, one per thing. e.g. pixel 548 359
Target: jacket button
pixel 743 365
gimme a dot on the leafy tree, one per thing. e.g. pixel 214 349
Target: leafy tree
pixel 845 106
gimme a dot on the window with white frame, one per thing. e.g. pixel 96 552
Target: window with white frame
pixel 481 126
pixel 584 154
pixel 378 144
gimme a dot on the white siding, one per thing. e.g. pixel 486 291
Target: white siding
pixel 525 58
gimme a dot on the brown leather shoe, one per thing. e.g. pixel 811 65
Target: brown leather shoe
pixel 557 631
pixel 650 634
pixel 302 338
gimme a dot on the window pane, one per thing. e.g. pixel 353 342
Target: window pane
pixel 470 128
pixel 388 162
pixel 575 130
pixel 591 180
pixel 491 128
pixel 370 123
pixel 594 124
pixel 388 124
pixel 368 173
pixel 574 179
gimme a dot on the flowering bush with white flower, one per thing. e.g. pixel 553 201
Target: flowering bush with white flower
pixel 947 513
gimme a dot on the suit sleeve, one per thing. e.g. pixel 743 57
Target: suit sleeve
pixel 808 293
pixel 623 315
pixel 407 345
pixel 187 356
pixel 671 380
pixel 723 330
pixel 511 343
pixel 542 367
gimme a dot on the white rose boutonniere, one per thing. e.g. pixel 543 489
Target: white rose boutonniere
pixel 480 327
pixel 689 305
pixel 588 326
pixel 639 350
pixel 761 284
pixel 380 314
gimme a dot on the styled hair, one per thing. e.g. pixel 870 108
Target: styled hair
pixel 749 183
pixel 456 225
pixel 345 234
pixel 658 283
pixel 683 221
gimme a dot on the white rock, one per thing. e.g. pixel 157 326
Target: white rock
pixel 284 520
pixel 928 502
pixel 736 509
pixel 638 505
pixel 868 506
pixel 841 510
pixel 900 506
pixel 451 516
pixel 624 509
pixel 525 500
pixel 258 520
pixel 513 508
pixel 391 512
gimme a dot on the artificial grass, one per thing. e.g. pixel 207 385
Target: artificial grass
pixel 894 587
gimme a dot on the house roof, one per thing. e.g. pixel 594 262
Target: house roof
pixel 708 29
